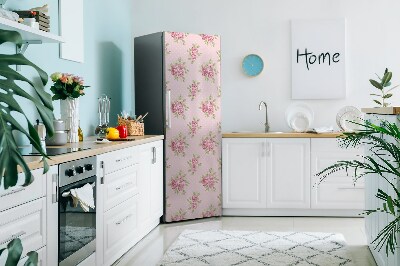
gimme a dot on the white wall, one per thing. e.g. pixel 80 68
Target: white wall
pixel 263 27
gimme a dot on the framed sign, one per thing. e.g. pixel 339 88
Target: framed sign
pixel 319 59
pixel 71 29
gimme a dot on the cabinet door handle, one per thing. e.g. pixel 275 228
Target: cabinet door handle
pixel 104 172
pixel 154 151
pixel 168 122
pixel 123 220
pixel 123 186
pixel 13 192
pixel 54 196
pixel 12 237
pixel 123 159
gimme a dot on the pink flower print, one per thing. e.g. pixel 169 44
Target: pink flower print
pixel 167 164
pixel 219 125
pixel 194 201
pixel 179 37
pixel 194 164
pixel 179 107
pixel 209 180
pixel 219 163
pixel 210 211
pixel 167 203
pixel 193 89
pixel 209 143
pixel 209 107
pixel 166 49
pixel 194 127
pixel 220 200
pixel 209 71
pixel 208 39
pixel 219 92
pixel 178 216
pixel 194 53
pixel 219 55
pixel 178 145
pixel 179 183
pixel 178 70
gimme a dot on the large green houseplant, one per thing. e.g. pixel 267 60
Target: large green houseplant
pixel 383 161
pixel 10 157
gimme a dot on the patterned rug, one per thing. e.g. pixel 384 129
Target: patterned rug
pixel 218 247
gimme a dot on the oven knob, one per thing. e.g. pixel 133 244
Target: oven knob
pixel 89 167
pixel 80 169
pixel 70 172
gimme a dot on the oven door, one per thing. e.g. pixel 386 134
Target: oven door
pixel 77 228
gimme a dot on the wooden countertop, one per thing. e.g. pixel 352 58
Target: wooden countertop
pixel 280 135
pixel 94 149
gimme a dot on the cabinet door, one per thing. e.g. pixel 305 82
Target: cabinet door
pixel 337 191
pixel 157 180
pixel 288 173
pixel 244 173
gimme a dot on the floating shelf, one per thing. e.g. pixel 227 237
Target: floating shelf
pixel 29 33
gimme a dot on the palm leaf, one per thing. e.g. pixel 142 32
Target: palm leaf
pixel 10 157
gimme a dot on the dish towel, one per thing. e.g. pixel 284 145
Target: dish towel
pixel 83 196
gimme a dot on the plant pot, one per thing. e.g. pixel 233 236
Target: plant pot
pixel 69 109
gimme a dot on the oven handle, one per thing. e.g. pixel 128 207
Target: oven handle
pixel 67 194
pixel 54 196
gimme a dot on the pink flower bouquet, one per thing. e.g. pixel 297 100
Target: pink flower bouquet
pixel 67 86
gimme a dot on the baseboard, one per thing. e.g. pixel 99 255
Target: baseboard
pixel 292 212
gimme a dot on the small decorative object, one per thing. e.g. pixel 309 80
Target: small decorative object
pixel 80 132
pixel 104 116
pixel 135 126
pixel 348 119
pixel 299 117
pixel 43 21
pixel 43 9
pixel 252 65
pixel 68 88
pixel 383 83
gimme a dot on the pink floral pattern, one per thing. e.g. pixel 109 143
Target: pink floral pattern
pixel 179 183
pixel 179 107
pixel 178 70
pixel 209 143
pixel 209 180
pixel 194 164
pixel 193 89
pixel 193 172
pixel 209 71
pixel 208 39
pixel 179 216
pixel 194 201
pixel 209 107
pixel 210 211
pixel 194 53
pixel 179 145
pixel 179 37
pixel 194 127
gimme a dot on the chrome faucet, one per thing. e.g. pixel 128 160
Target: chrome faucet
pixel 266 114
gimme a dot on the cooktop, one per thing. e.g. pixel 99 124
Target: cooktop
pixel 27 151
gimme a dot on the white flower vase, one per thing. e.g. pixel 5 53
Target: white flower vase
pixel 70 115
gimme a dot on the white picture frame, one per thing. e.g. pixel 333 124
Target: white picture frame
pixel 318 59
pixel 71 29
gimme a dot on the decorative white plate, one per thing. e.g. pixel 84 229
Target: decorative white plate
pixel 299 117
pixel 346 116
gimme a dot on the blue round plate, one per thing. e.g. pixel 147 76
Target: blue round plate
pixel 252 65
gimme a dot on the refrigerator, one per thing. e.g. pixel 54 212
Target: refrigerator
pixel 177 80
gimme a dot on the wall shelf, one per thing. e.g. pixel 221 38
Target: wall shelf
pixel 29 33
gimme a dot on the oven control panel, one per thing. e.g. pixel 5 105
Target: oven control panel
pixel 73 171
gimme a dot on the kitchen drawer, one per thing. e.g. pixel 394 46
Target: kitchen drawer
pixel 41 258
pixel 120 186
pixel 28 222
pixel 120 229
pixel 117 160
pixel 342 196
pixel 18 195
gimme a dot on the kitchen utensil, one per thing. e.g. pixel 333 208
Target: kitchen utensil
pixel 123 131
pixel 346 116
pixel 138 119
pixel 59 125
pixel 104 106
pixel 141 119
pixel 299 117
pixel 58 139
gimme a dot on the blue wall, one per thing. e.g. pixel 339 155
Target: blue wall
pixel 108 57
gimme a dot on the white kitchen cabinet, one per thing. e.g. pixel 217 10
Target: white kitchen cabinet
pixel 276 177
pixel 244 163
pixel 52 215
pixel 150 206
pixel 338 190
pixel 288 173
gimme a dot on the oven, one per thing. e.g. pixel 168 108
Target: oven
pixel 76 225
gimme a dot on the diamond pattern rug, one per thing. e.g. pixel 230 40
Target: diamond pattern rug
pixel 219 247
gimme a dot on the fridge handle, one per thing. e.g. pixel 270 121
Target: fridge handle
pixel 169 109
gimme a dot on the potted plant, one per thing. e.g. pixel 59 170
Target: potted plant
pixel 10 157
pixel 383 161
pixel 382 85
